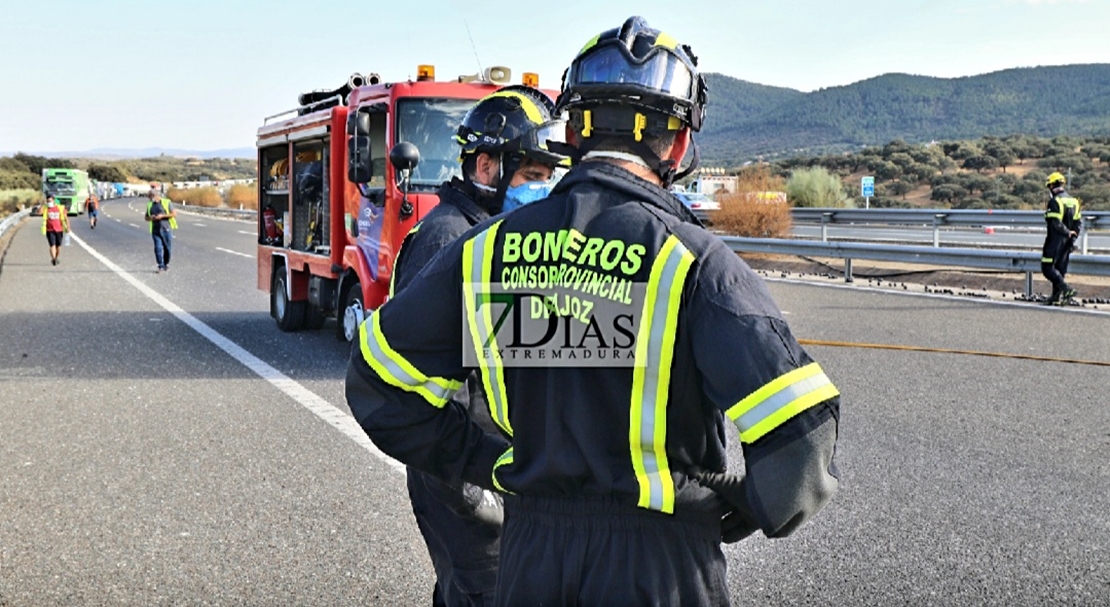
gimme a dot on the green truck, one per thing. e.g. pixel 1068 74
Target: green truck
pixel 70 188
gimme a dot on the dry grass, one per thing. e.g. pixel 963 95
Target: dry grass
pixel 242 197
pixel 201 197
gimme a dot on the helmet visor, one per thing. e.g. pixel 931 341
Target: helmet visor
pixel 537 142
pixel 660 70
pixel 555 130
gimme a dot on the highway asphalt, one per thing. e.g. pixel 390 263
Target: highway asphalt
pixel 162 443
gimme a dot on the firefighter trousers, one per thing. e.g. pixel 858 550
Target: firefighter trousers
pixel 599 552
pixel 463 548
pixel 1054 262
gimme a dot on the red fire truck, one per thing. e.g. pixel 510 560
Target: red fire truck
pixel 342 179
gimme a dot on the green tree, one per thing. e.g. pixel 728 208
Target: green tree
pixel 901 159
pixel 35 164
pixel 885 170
pixel 1001 152
pixel 899 188
pixel 947 192
pixel 815 187
pixel 107 173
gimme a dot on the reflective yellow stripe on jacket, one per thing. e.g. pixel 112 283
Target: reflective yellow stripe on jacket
pixel 651 377
pixel 394 370
pixel 477 268
pixel 1063 204
pixel 779 400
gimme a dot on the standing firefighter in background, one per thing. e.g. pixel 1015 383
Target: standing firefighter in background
pixel 614 471
pixel 162 218
pixel 503 165
pixel 1064 222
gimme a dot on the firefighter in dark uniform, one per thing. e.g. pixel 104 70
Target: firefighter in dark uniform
pixel 614 477
pixel 1063 220
pixel 502 165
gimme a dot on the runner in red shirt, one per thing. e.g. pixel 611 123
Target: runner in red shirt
pixel 55 224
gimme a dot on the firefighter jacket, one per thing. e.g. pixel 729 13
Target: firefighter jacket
pixel 711 349
pixel 1062 214
pixel 456 212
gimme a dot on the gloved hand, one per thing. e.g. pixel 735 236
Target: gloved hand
pixel 739 522
pixel 467 500
pixel 485 506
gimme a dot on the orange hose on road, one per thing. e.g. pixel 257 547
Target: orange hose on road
pixel 844 344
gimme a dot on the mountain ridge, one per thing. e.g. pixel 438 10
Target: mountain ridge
pixel 1044 101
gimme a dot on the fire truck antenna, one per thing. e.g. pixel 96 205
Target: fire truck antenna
pixel 472 46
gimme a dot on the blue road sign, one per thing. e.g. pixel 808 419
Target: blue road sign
pixel 868 186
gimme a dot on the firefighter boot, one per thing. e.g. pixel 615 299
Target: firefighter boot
pixel 1053 299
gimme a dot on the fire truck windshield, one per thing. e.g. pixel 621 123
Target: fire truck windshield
pixel 431 124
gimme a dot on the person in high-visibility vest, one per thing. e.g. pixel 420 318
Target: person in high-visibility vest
pixel 1063 220
pixel 55 225
pixel 617 341
pixel 162 218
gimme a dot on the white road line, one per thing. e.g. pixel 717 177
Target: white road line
pixel 133 225
pixel 200 224
pixel 306 398
pixel 247 233
pixel 235 252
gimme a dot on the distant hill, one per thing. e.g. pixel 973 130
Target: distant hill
pixel 747 120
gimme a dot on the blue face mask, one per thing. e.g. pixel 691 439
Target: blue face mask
pixel 525 193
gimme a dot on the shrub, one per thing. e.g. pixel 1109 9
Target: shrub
pixel 745 214
pixel 242 196
pixel 12 200
pixel 816 188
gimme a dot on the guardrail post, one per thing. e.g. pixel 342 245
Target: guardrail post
pixel 825 218
pixel 1028 284
pixel 848 270
pixel 937 220
pixel 1086 230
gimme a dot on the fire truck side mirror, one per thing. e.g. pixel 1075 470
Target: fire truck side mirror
pixel 359 168
pixel 404 157
pixel 358 123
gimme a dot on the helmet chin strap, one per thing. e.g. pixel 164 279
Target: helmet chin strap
pixel 485 189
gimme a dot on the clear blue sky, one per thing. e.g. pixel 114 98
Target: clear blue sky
pixel 201 75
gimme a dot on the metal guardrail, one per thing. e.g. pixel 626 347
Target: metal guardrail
pixel 11 220
pixel 244 214
pixel 1008 261
pixel 940 217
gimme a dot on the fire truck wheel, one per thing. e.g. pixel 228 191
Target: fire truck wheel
pixel 353 313
pixel 289 315
pixel 314 318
